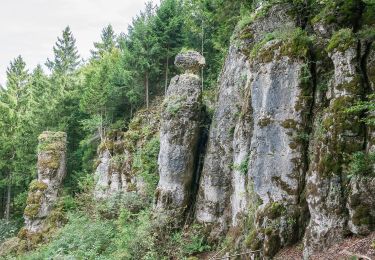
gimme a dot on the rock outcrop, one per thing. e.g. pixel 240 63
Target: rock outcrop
pixel 282 142
pixel 290 153
pixel 213 201
pixel 116 171
pixel 256 158
pixel 179 137
pixel 43 192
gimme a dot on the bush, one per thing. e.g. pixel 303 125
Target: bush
pixel 146 164
pixel 361 164
pixel 135 239
pixel 81 238
pixel 7 229
pixel 341 40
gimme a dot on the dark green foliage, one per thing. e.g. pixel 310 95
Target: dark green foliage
pixel 145 164
pixel 361 164
pixel 66 58
pixel 8 229
pixel 367 107
pixel 81 238
pixel 341 40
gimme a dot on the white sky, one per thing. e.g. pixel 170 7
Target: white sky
pixel 30 27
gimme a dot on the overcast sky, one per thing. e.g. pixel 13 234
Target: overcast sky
pixel 31 27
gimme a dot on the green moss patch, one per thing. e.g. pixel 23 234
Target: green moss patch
pixel 341 40
pixel 36 185
pixel 290 43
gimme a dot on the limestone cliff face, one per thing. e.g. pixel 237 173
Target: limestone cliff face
pixel 288 159
pixel 282 143
pixel 179 137
pixel 256 158
pixel 119 155
pixel 43 192
pixel 213 201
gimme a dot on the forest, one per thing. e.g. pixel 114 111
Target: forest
pixel 275 137
pixel 88 98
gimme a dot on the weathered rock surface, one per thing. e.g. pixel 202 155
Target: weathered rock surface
pixel 190 61
pixel 115 173
pixel 43 192
pixel 342 134
pixel 179 137
pixel 361 205
pixel 215 186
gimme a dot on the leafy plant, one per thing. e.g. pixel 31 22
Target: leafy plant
pixel 7 229
pixel 81 238
pixel 361 164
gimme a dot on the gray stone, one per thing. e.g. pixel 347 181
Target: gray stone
pixel 43 192
pixel 325 184
pixel 190 61
pixel 213 202
pixel 179 137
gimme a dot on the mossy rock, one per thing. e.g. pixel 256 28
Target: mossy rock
pixel 290 124
pixel 342 40
pixel 32 210
pixel 49 159
pixel 36 185
pixel 34 197
pixel 294 44
pixel 265 121
pixel 274 210
pixel 362 216
pixel 272 244
pixel 252 241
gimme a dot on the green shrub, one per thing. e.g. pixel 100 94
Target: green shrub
pixel 341 40
pixel 368 107
pixel 7 229
pixel 294 43
pixel 81 238
pixel 145 164
pixel 197 244
pixel 243 167
pixel 135 238
pixel 361 164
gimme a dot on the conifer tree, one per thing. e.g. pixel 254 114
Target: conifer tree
pixel 168 27
pixel 13 105
pixel 66 57
pixel 107 44
pixel 145 48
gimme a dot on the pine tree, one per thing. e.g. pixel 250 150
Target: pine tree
pixel 66 57
pixel 144 47
pixel 13 105
pixel 168 27
pixel 107 44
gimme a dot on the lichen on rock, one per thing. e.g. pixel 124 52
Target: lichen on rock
pixel 190 61
pixel 43 192
pixel 179 137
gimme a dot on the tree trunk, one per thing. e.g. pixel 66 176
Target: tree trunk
pixel 8 199
pixel 166 75
pixel 202 51
pixel 146 90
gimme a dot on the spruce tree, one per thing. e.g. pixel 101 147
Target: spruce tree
pixel 107 44
pixel 66 57
pixel 168 27
pixel 13 104
pixel 144 48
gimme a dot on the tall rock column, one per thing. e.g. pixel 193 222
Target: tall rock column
pixel 179 137
pixel 43 192
pixel 213 201
pixel 340 135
